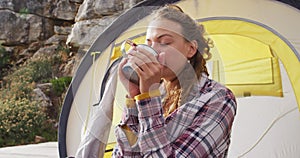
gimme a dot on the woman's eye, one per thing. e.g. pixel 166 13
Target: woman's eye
pixel 165 43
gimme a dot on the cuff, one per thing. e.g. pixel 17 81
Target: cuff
pixel 150 94
pixel 130 112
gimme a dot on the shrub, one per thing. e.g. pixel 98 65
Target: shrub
pixel 21 121
pixel 20 83
pixel 24 12
pixel 21 117
pixel 41 70
pixel 60 85
pixel 4 60
pixel 4 57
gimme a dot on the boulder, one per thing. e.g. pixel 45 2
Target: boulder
pixel 45 52
pixel 40 96
pixel 65 10
pixel 91 9
pixel 58 9
pixel 62 30
pixel 15 29
pixel 7 4
pixel 85 32
pixel 56 40
pixel 23 29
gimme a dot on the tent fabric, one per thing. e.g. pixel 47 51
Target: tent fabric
pixel 268 105
pixel 96 134
pixel 248 63
pixel 271 40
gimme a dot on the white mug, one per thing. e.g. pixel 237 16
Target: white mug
pixel 128 71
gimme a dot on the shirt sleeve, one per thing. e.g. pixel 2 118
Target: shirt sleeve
pixel 126 131
pixel 153 135
pixel 206 136
pixel 130 115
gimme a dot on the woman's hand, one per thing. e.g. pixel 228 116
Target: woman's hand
pixel 147 67
pixel 132 89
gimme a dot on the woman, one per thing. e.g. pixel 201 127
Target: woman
pixel 175 110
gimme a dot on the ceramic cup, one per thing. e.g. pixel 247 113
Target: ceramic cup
pixel 127 69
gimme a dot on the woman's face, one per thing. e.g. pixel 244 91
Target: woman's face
pixel 165 36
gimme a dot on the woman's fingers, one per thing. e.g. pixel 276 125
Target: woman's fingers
pixel 138 59
pixel 143 64
pixel 131 88
pixel 149 52
pixel 144 55
pixel 147 66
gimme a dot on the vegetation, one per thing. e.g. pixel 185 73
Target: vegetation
pixel 21 82
pixel 23 118
pixel 59 85
pixel 24 12
pixel 4 60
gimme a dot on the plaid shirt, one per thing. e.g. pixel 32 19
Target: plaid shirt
pixel 199 128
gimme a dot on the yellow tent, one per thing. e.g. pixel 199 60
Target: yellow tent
pixel 256 54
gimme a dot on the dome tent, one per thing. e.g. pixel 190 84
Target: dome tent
pixel 256 54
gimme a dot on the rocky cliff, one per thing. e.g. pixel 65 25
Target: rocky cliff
pixel 33 29
pixel 56 30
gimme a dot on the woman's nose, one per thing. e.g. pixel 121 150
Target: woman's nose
pixel 156 47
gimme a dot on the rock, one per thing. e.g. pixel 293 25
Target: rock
pixel 130 3
pixel 35 31
pixel 47 28
pixel 85 32
pixel 25 7
pixel 40 28
pixel 45 87
pixel 40 96
pixel 35 7
pixel 62 30
pixel 75 61
pixel 39 139
pixel 68 69
pixel 23 29
pixel 60 9
pixel 48 7
pixel 45 52
pixel 92 9
pixel 35 46
pixel 65 10
pixel 16 28
pixel 7 4
pixel 56 40
pixel 32 48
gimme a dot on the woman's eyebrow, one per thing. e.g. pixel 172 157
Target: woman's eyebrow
pixel 161 36
pixel 164 35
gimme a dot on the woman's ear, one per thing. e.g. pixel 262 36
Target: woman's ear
pixel 192 48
